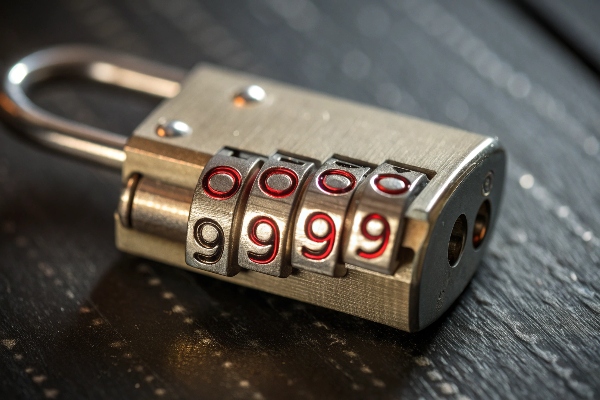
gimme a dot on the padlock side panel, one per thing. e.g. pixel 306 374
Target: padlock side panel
pixel 459 236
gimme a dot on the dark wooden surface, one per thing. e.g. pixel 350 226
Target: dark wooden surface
pixel 78 319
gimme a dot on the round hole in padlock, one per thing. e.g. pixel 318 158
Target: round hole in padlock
pixel 457 241
pixel 482 221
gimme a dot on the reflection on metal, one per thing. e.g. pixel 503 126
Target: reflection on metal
pixel 173 128
pixel 249 95
pixel 70 137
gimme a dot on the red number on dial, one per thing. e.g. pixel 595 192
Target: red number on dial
pixel 346 186
pixel 272 241
pixel 282 192
pixel 384 236
pixel 219 193
pixel 400 184
pixel 325 233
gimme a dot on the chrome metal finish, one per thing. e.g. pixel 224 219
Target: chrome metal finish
pixel 173 128
pixel 321 218
pixel 217 210
pixel 265 237
pixel 375 220
pixel 106 67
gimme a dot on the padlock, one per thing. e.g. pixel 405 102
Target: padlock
pixel 276 188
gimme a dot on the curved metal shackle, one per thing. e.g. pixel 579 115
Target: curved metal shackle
pixel 70 137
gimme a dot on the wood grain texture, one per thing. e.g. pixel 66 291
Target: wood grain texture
pixel 81 320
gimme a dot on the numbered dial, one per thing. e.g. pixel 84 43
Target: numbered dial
pixel 217 207
pixel 318 230
pixel 377 215
pixel 270 211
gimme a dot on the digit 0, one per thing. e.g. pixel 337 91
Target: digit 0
pixel 209 236
pixel 286 183
pixel 222 182
pixel 336 181
pixel 319 228
pixel 392 184
pixel 383 235
pixel 271 241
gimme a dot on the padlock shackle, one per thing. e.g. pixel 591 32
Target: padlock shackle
pixel 70 137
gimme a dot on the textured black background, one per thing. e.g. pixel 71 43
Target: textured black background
pixel 78 319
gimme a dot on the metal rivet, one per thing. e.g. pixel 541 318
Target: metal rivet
pixel 486 189
pixel 172 128
pixel 249 95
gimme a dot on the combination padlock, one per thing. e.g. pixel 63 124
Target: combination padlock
pixel 280 189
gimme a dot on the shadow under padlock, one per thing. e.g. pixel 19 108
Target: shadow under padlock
pixel 190 330
pixel 378 215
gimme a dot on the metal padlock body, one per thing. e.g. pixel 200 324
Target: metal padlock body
pixel 314 126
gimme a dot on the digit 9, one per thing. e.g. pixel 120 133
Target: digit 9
pixel 271 241
pixel 209 235
pixel 383 235
pixel 319 228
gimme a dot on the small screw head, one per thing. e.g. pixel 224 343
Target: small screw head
pixel 486 189
pixel 172 128
pixel 249 95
